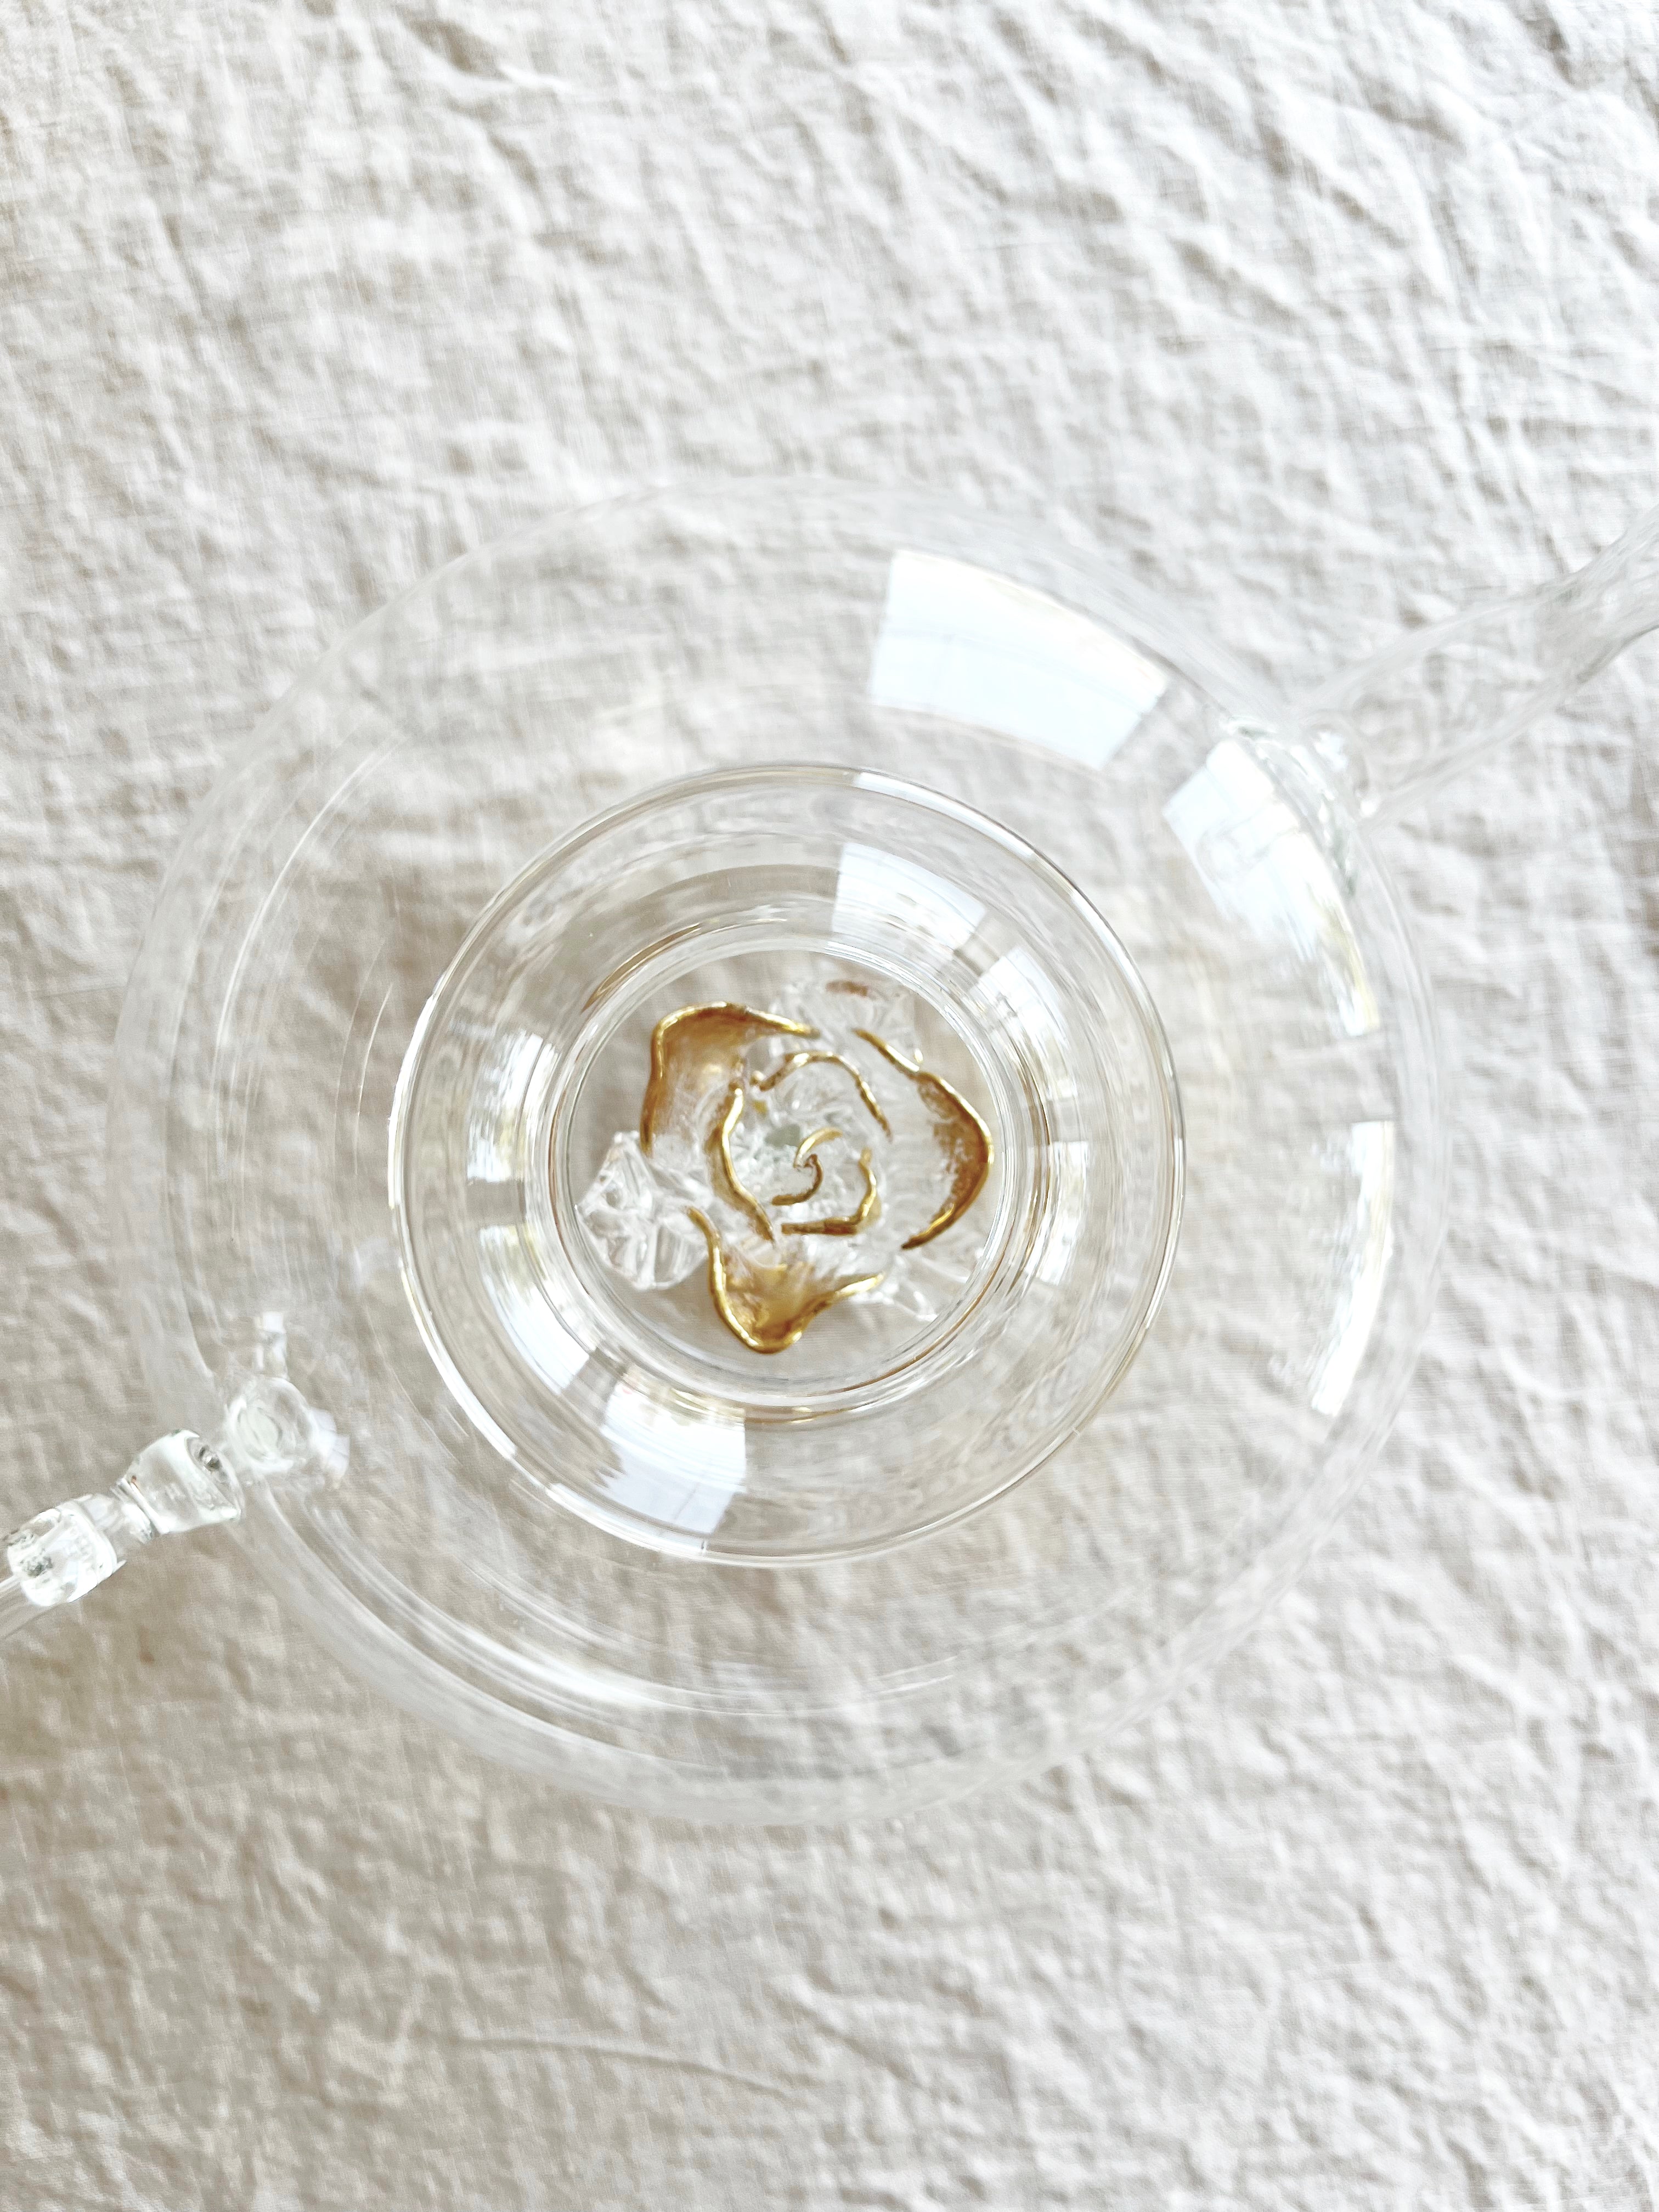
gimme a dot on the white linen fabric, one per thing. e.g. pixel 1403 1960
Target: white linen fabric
pixel 1319 315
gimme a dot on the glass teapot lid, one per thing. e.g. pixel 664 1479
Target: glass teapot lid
pixel 842 1127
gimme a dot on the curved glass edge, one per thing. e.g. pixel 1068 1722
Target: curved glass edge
pixel 380 1650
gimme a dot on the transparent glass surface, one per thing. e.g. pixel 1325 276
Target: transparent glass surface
pixel 828 944
pixel 733 747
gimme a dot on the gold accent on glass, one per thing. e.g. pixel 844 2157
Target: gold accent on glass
pixel 767 1309
pixel 848 1224
pixel 806 1153
pixel 797 1061
pixel 963 1138
pixel 722 1148
pixel 693 1052
pixel 699 1088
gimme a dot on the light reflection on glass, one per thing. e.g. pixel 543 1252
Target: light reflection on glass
pixel 957 641
pixel 512 1280
pixel 1266 871
pixel 1063 1225
pixel 1270 876
pixel 679 1466
pixel 1364 1262
pixel 1026 998
pixel 876 891
pixel 496 1112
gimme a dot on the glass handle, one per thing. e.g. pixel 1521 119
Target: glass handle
pixel 178 1483
pixel 1397 726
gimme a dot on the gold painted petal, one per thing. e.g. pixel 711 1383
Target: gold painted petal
pixel 964 1138
pixel 719 1148
pixel 766 1307
pixel 849 1225
pixel 695 1055
pixel 806 1152
pixel 797 1061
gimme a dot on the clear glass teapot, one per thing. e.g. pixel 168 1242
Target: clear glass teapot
pixel 783 1147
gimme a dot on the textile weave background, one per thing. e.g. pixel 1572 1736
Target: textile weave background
pixel 1321 316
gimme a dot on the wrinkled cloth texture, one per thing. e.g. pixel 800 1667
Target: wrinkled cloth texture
pixel 1317 316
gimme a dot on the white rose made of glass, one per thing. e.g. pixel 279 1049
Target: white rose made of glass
pixel 804 1155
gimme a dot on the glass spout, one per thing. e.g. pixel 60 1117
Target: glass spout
pixel 1400 725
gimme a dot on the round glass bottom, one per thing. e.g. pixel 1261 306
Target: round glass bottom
pixel 784 1166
